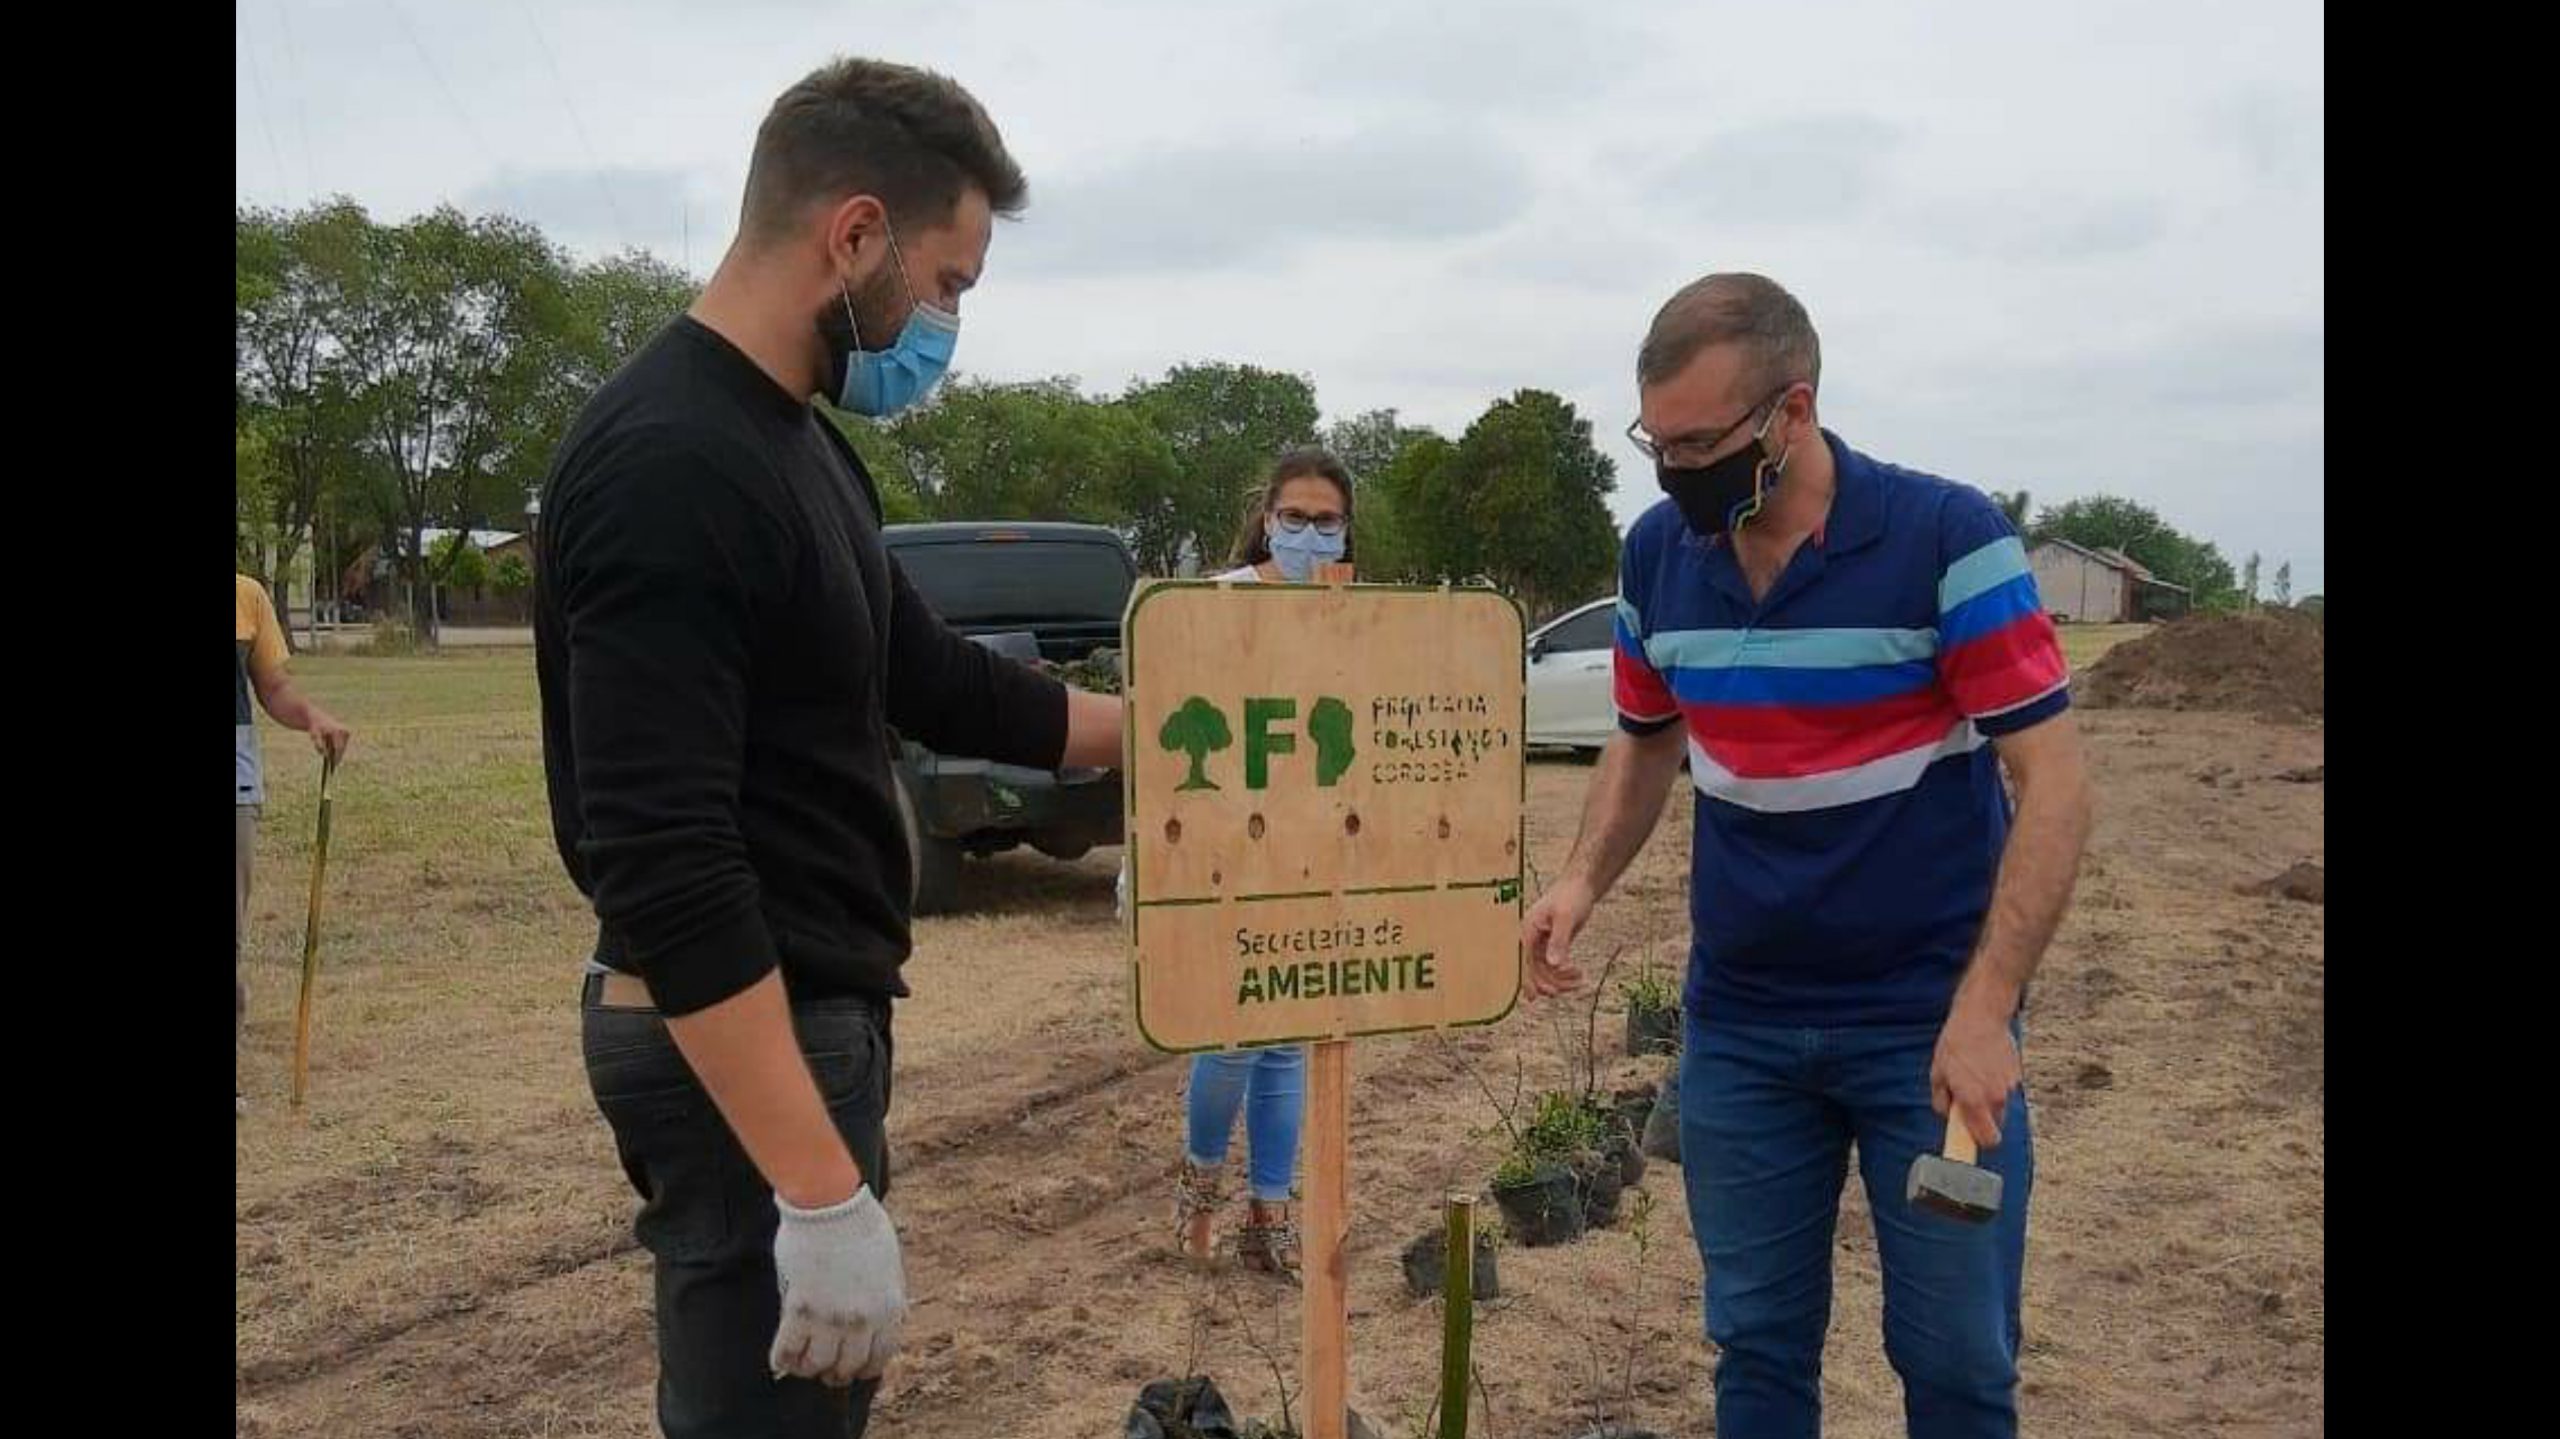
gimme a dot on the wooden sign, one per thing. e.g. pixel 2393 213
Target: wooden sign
pixel 1324 802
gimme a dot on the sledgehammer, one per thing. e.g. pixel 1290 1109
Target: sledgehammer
pixel 1951 1183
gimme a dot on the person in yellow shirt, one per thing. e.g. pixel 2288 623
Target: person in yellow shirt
pixel 258 667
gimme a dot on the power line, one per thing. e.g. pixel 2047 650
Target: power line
pixel 487 152
pixel 301 110
pixel 258 90
pixel 560 86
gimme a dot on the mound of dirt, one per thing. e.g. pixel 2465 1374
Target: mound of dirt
pixel 2272 663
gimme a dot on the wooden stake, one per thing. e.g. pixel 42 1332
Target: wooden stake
pixel 1324 1360
pixel 1457 1316
pixel 1323 1367
pixel 311 938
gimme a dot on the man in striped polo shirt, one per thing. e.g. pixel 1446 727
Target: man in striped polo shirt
pixel 1847 653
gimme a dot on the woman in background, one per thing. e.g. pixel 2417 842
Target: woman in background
pixel 1299 522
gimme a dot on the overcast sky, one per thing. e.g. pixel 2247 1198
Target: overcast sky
pixel 2073 248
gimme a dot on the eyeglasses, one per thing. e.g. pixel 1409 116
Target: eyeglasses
pixel 1697 448
pixel 1296 522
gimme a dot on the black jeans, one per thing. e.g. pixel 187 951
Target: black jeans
pixel 707 1217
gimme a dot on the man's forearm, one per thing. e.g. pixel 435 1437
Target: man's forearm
pixel 1627 794
pixel 745 1053
pixel 2038 868
pixel 1096 724
pixel 286 703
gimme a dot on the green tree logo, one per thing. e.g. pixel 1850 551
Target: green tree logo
pixel 1197 729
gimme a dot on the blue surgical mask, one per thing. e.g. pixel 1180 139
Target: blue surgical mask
pixel 881 383
pixel 1298 555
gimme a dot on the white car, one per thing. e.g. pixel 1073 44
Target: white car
pixel 1572 688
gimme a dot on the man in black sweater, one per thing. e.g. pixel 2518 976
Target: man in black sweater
pixel 724 648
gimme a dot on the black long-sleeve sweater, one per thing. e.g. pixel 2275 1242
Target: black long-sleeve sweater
pixel 724 646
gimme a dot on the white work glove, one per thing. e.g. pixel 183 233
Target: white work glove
pixel 844 1290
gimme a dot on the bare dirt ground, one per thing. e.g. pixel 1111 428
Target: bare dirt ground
pixel 439 1245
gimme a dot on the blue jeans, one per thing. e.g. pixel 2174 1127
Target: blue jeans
pixel 1767 1117
pixel 1270 1086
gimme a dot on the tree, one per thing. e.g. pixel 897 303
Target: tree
pixel 461 564
pixel 1366 443
pixel 1427 537
pixel 1379 544
pixel 2284 584
pixel 419 375
pixel 2195 564
pixel 1370 445
pixel 1525 497
pixel 1036 450
pixel 616 305
pixel 2014 504
pixel 1197 729
pixel 251 478
pixel 457 330
pixel 292 277
pixel 1223 425
pixel 1144 487
pixel 2249 583
pixel 2109 522
pixel 510 575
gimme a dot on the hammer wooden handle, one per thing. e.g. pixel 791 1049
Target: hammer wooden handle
pixel 1959 1139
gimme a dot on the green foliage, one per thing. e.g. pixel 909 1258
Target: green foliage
pixel 1650 991
pixel 2109 522
pixel 1562 1129
pixel 510 575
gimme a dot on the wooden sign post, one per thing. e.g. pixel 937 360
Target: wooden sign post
pixel 1325 841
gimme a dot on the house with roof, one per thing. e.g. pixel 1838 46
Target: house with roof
pixel 2101 586
pixel 372 578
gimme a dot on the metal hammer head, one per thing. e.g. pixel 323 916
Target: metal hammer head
pixel 1958 1191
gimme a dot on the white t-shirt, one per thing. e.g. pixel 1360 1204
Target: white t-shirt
pixel 1120 887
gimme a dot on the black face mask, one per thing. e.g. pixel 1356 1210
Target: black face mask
pixel 1724 495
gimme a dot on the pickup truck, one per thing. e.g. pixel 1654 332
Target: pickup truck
pixel 1051 592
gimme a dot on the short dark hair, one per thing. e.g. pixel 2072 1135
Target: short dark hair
pixel 1253 541
pixel 868 127
pixel 1779 345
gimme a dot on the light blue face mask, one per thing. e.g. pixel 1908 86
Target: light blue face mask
pixel 882 383
pixel 1299 554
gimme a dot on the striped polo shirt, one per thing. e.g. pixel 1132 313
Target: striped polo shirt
pixel 1850 811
